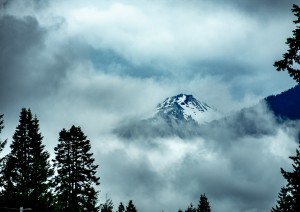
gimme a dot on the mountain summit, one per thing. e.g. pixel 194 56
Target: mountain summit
pixel 186 117
pixel 186 107
pixel 179 115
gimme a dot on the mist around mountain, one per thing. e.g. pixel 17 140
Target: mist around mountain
pixel 171 158
pixel 235 158
pixel 186 107
pixel 184 116
pixel 179 115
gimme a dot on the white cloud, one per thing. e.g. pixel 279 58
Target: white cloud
pixel 220 54
pixel 155 32
pixel 240 175
pixel 158 31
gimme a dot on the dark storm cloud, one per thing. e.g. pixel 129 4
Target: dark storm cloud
pixel 19 38
pixel 37 4
pixel 263 7
pixel 3 3
pixel 29 70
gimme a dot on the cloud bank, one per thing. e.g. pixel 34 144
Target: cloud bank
pixel 98 63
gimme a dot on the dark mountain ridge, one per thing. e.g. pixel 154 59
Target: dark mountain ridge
pixel 286 105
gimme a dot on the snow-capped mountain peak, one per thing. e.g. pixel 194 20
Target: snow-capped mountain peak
pixel 187 107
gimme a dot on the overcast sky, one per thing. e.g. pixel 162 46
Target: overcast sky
pixel 97 63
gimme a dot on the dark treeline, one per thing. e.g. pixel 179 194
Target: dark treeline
pixel 68 184
pixel 203 205
pixel 30 181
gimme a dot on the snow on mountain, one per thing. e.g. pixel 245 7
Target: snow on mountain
pixel 181 116
pixel 186 107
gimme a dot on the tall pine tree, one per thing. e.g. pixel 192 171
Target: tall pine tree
pixel 76 172
pixel 107 206
pixel 2 145
pixel 191 208
pixel 289 196
pixel 27 170
pixel 130 207
pixel 203 205
pixel 121 208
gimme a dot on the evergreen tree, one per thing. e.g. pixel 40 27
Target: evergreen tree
pixel 27 169
pixel 289 196
pixel 2 145
pixel 107 206
pixel 121 208
pixel 130 207
pixel 291 59
pixel 203 205
pixel 76 172
pixel 284 202
pixel 191 208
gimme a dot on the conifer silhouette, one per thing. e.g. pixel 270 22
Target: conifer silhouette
pixel 76 172
pixel 292 57
pixel 27 171
pixel 289 196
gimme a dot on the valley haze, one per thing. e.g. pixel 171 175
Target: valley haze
pixel 106 65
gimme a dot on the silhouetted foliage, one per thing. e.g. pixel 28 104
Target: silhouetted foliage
pixel 121 208
pixel 130 207
pixel 203 204
pixel 191 208
pixel 76 172
pixel 27 169
pixel 2 145
pixel 107 206
pixel 289 196
pixel 284 202
pixel 292 56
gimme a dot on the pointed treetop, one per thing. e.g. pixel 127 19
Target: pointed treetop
pixel 291 59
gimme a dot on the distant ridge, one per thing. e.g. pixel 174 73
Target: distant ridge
pixel 286 105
